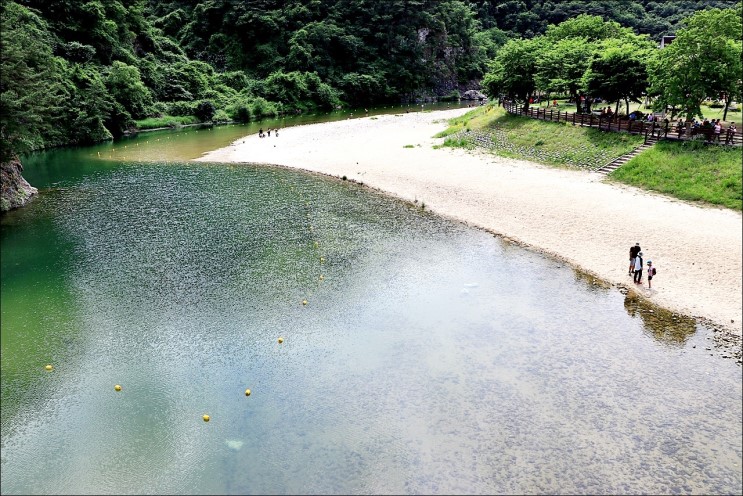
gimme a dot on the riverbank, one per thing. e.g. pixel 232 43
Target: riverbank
pixel 572 215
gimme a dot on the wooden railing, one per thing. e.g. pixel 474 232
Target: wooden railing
pixel 651 130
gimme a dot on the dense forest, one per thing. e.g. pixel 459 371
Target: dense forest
pixel 76 72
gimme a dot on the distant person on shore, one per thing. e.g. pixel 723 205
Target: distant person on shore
pixel 260 133
pixel 633 251
pixel 638 269
pixel 276 132
pixel 651 272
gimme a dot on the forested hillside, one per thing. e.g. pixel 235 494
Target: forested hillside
pixel 76 72
pixel 528 18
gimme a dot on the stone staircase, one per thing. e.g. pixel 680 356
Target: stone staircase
pixel 617 163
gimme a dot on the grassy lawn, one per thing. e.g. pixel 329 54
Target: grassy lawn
pixel 166 121
pixel 689 171
pixel 550 143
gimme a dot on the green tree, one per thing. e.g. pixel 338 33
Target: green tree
pixel 29 82
pixel 125 85
pixel 703 61
pixel 588 27
pixel 87 106
pixel 514 69
pixel 618 71
pixel 562 65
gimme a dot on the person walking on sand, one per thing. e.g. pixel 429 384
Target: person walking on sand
pixel 638 269
pixel 633 251
pixel 651 272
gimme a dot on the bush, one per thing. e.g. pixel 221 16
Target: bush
pixel 221 116
pixel 361 89
pixel 158 109
pixel 300 90
pixel 181 108
pixel 243 113
pixel 454 96
pixel 205 111
pixel 165 121
pixel 236 80
pixel 261 107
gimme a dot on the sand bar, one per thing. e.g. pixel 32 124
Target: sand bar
pixel 573 215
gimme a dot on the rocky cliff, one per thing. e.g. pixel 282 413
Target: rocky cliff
pixel 16 191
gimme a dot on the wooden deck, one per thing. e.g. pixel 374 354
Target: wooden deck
pixel 655 129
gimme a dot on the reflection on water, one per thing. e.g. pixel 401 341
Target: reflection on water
pixel 429 358
pixel 665 326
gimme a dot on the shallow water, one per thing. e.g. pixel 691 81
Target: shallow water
pixel 431 357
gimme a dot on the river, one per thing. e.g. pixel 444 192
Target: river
pixel 419 355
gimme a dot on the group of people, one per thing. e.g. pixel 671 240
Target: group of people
pixel 710 127
pixel 636 265
pixel 261 134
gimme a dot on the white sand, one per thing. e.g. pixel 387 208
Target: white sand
pixel 573 215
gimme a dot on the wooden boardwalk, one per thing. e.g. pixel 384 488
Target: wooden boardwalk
pixel 651 130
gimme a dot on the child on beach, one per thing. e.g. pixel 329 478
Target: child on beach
pixel 651 272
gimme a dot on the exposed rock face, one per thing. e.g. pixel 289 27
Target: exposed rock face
pixel 16 191
pixel 473 95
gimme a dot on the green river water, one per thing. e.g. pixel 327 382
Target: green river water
pixel 431 357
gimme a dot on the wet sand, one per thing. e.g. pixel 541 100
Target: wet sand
pixel 573 215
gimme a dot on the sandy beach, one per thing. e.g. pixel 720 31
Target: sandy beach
pixel 574 215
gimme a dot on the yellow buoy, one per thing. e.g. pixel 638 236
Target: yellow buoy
pixel 304 302
pixel 281 340
pixel 206 418
pixel 322 259
pixel 117 387
pixel 321 277
pixel 247 392
pixel 49 367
